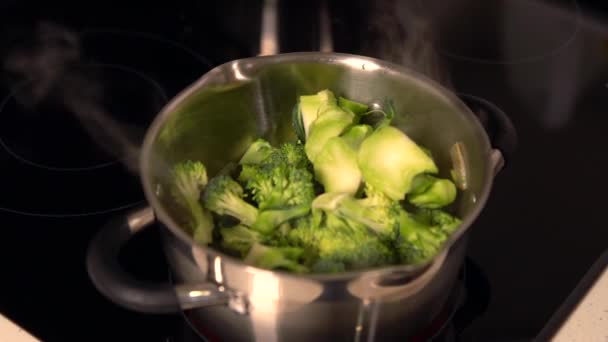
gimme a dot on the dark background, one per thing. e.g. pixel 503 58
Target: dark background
pixel 544 63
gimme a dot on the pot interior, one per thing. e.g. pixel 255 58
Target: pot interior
pixel 216 119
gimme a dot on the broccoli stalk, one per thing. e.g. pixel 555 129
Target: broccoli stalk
pixel 259 150
pixel 330 122
pixel 189 180
pixel 309 108
pixel 389 160
pixel 268 220
pixel 239 239
pixel 224 196
pixel 355 107
pixel 336 167
pixel 268 257
pixel 355 135
pixel 431 192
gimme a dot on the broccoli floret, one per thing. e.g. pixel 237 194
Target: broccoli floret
pixel 376 212
pixel 239 239
pixel 389 160
pixel 294 155
pixel 287 258
pixel 374 197
pixel 282 180
pixel 416 237
pixel 280 187
pixel 431 192
pixel 437 218
pixel 259 150
pixel 248 171
pixel 350 243
pixel 269 219
pixel 340 244
pixel 224 196
pixel 279 237
pixel 418 241
pixel 189 180
pixel 335 224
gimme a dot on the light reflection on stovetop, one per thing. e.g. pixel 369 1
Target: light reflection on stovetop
pixel 74 104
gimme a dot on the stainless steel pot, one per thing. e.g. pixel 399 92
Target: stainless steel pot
pixel 215 119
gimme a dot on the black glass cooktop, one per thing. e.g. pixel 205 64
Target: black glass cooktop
pixel 70 69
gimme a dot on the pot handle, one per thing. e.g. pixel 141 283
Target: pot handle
pixel 498 126
pixel 121 288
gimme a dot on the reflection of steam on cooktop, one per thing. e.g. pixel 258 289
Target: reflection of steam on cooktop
pixel 75 112
pixel 502 32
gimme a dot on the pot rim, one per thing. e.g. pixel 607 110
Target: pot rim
pixel 319 57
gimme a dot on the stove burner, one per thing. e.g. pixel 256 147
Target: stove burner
pixel 61 153
pixel 503 32
pixel 50 136
pixel 171 64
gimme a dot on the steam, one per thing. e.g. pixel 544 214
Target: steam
pixel 400 33
pixel 49 62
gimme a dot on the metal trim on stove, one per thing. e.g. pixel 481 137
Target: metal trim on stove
pixel 574 304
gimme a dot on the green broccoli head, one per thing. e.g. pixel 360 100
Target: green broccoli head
pixel 294 155
pixel 239 239
pixel 267 257
pixel 340 244
pixel 224 196
pixel 438 218
pixel 282 180
pixel 189 178
pixel 418 241
pixel 248 171
pixel 375 197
